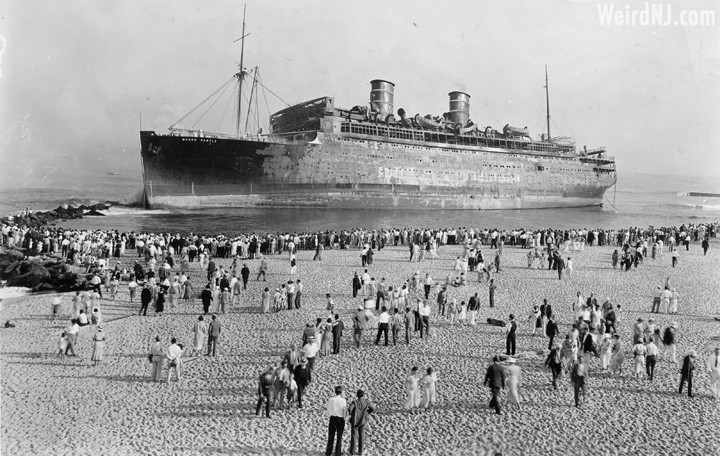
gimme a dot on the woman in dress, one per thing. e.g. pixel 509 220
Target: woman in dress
pixel 265 301
pixel 618 356
pixel 160 303
pixel 429 382
pixel 199 335
pixel 98 346
pixel 174 292
pixel 327 337
pixel 187 290
pixel 533 320
pixel 513 376
pixel 639 351
pixel 673 301
pixel 463 313
pixel 605 351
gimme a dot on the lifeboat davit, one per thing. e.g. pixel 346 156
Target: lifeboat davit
pixel 513 131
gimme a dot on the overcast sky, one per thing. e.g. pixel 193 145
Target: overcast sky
pixel 77 74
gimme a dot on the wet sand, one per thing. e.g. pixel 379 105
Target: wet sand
pixel 54 406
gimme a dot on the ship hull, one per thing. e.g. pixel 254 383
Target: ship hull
pixel 190 172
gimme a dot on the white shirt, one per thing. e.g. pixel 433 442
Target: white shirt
pixel 384 318
pixel 424 310
pixel 652 349
pixel 337 406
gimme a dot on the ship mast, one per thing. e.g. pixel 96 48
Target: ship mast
pixel 547 103
pixel 240 74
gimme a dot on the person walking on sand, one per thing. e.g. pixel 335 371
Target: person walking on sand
pixel 424 311
pixel 397 323
pixel 495 380
pixel 651 358
pixel 98 346
pixel 409 323
pixel 337 409
pixel 265 383
pixel 412 389
pixel 687 371
pixel 429 382
pixel 578 378
pixel 199 335
pixel 618 355
pixel 510 329
pixel 262 269
pixel 491 291
pixel 157 353
pixel 513 379
pixel 213 335
pixel 383 325
pixel 358 411
pixel 553 361
pixel 639 352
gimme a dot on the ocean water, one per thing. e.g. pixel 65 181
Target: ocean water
pixel 639 200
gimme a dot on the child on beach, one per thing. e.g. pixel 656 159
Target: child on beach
pixel 62 345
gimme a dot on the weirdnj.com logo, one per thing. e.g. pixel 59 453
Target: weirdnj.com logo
pixel 653 14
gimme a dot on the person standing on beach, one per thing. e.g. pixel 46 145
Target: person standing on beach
pixel 98 346
pixel 669 342
pixel 337 330
pixel 409 323
pixel 429 382
pixel 199 335
pixel 245 275
pixel 578 378
pixel 358 411
pixel 424 312
pixel 360 320
pixel 651 358
pixel 206 296
pixel 213 335
pixel 495 380
pixel 705 245
pixel 337 409
pixel 553 361
pixel 510 336
pixel 298 293
pixel 713 367
pixel 300 375
pixel 157 353
pixel 412 389
pixel 262 269
pixel 687 371
pixel 265 383
pixel 173 354
pixel 551 330
pixel 491 290
pixel 675 257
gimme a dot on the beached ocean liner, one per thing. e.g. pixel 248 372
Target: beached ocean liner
pixel 320 155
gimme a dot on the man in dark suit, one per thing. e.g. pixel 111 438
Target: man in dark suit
pixel 337 330
pixel 245 274
pixel 206 297
pixel 145 298
pixel 510 336
pixel 686 372
pixel 300 374
pixel 495 380
pixel 359 409
pixel 210 268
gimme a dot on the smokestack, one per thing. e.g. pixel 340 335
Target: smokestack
pixel 459 107
pixel 381 97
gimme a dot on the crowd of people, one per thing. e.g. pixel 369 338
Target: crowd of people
pixel 397 310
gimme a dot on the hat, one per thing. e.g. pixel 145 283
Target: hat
pixel 360 393
pixel 673 324
pixel 99 327
pixel 303 360
pixel 692 353
pixel 511 360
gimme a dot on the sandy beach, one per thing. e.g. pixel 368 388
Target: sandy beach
pixel 65 406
